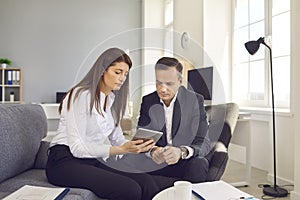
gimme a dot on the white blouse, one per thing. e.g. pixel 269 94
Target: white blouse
pixel 88 135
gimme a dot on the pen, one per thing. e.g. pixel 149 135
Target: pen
pixel 197 195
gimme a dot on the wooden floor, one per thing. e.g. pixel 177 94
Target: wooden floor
pixel 235 172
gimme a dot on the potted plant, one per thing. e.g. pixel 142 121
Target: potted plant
pixel 4 62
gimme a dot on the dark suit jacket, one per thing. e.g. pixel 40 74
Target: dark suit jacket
pixel 189 124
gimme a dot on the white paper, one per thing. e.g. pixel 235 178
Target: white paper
pixel 29 192
pixel 219 190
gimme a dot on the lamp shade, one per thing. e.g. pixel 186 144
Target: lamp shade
pixel 253 46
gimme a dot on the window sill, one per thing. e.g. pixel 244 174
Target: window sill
pixel 267 111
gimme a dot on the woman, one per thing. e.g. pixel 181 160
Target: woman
pixel 90 115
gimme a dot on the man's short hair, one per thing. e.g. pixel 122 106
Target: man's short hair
pixel 166 62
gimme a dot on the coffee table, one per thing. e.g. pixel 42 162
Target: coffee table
pixel 209 191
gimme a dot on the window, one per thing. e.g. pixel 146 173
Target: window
pixel 168 25
pixel 251 74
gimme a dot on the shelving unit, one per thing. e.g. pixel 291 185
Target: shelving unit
pixel 10 83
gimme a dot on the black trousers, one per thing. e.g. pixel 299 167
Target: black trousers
pixel 194 170
pixel 116 179
pixel 67 171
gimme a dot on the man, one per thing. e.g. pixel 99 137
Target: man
pixel 179 113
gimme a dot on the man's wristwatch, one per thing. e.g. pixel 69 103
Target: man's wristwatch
pixel 184 152
pixel 151 150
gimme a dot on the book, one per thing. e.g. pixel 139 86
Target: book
pixel 29 192
pixel 14 77
pixel 18 77
pixel 9 77
pixel 147 134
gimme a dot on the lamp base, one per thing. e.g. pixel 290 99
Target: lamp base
pixel 275 191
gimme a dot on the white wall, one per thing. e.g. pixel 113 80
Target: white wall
pixel 198 18
pixel 262 145
pixel 188 17
pixel 217 40
pixel 153 41
pixel 295 71
pixel 49 40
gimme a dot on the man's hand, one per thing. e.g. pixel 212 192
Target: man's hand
pixel 157 155
pixel 171 154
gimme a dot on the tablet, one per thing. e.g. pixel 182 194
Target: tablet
pixel 147 134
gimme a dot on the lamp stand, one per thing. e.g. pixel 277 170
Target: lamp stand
pixel 274 191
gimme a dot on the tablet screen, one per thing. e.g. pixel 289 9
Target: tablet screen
pixel 147 134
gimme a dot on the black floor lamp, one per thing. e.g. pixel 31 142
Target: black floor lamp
pixel 274 191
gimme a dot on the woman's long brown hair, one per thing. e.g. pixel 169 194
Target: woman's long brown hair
pixel 92 79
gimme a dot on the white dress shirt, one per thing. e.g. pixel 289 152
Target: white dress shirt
pixel 88 135
pixel 169 119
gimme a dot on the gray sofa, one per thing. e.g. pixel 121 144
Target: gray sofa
pixel 23 154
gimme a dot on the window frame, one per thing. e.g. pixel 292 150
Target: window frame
pixel 168 29
pixel 266 100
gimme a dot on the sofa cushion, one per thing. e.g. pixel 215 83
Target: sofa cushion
pixel 38 177
pixel 22 128
pixel 3 194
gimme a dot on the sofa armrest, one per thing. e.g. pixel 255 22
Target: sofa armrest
pixel 42 156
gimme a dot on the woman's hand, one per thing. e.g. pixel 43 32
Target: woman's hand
pixel 137 146
pixel 133 146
